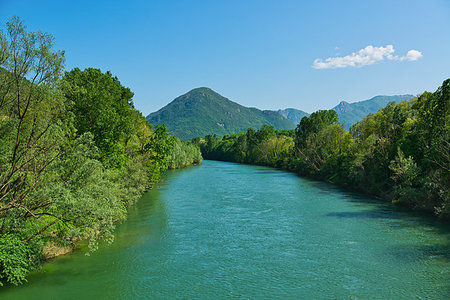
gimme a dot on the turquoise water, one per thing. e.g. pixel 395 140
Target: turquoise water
pixel 225 230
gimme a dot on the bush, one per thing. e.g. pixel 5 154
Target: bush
pixel 17 258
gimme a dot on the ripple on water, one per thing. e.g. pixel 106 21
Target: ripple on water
pixel 227 230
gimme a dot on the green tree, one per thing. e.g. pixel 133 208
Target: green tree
pixel 313 124
pixel 102 106
pixel 32 130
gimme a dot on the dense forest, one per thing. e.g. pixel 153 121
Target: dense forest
pixel 74 152
pixel 400 153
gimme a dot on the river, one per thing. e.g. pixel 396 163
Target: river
pixel 224 230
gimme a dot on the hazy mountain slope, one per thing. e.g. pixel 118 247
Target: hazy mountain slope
pixel 293 115
pixel 202 111
pixel 351 113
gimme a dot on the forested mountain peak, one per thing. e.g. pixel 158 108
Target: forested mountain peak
pixel 343 106
pixel 203 111
pixel 198 94
pixel 201 94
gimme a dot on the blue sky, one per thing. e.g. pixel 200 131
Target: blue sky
pixel 257 53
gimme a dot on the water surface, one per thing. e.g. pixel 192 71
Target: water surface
pixel 225 230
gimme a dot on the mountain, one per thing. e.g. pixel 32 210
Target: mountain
pixel 202 111
pixel 293 115
pixel 351 113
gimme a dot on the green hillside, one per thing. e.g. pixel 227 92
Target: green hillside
pixel 351 113
pixel 293 115
pixel 202 111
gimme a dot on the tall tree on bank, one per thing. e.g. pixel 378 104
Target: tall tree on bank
pixel 31 125
pixel 102 106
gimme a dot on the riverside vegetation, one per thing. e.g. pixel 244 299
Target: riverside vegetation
pixel 74 152
pixel 400 153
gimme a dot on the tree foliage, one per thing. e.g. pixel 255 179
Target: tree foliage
pixel 183 154
pixel 102 106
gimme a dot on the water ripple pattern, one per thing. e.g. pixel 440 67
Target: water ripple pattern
pixel 225 230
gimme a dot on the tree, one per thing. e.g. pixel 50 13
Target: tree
pixel 32 130
pixel 313 124
pixel 29 110
pixel 102 106
pixel 159 148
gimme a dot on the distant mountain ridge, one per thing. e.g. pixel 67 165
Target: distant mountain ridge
pixel 202 111
pixel 351 113
pixel 293 115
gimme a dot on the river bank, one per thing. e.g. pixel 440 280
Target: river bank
pixel 381 195
pixel 399 153
pixel 202 233
pixel 52 250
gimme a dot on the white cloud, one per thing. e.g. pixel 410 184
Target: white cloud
pixel 365 57
pixel 412 55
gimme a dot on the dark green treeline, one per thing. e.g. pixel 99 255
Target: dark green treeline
pixel 400 153
pixel 74 152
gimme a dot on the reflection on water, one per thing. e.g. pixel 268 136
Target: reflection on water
pixel 225 229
